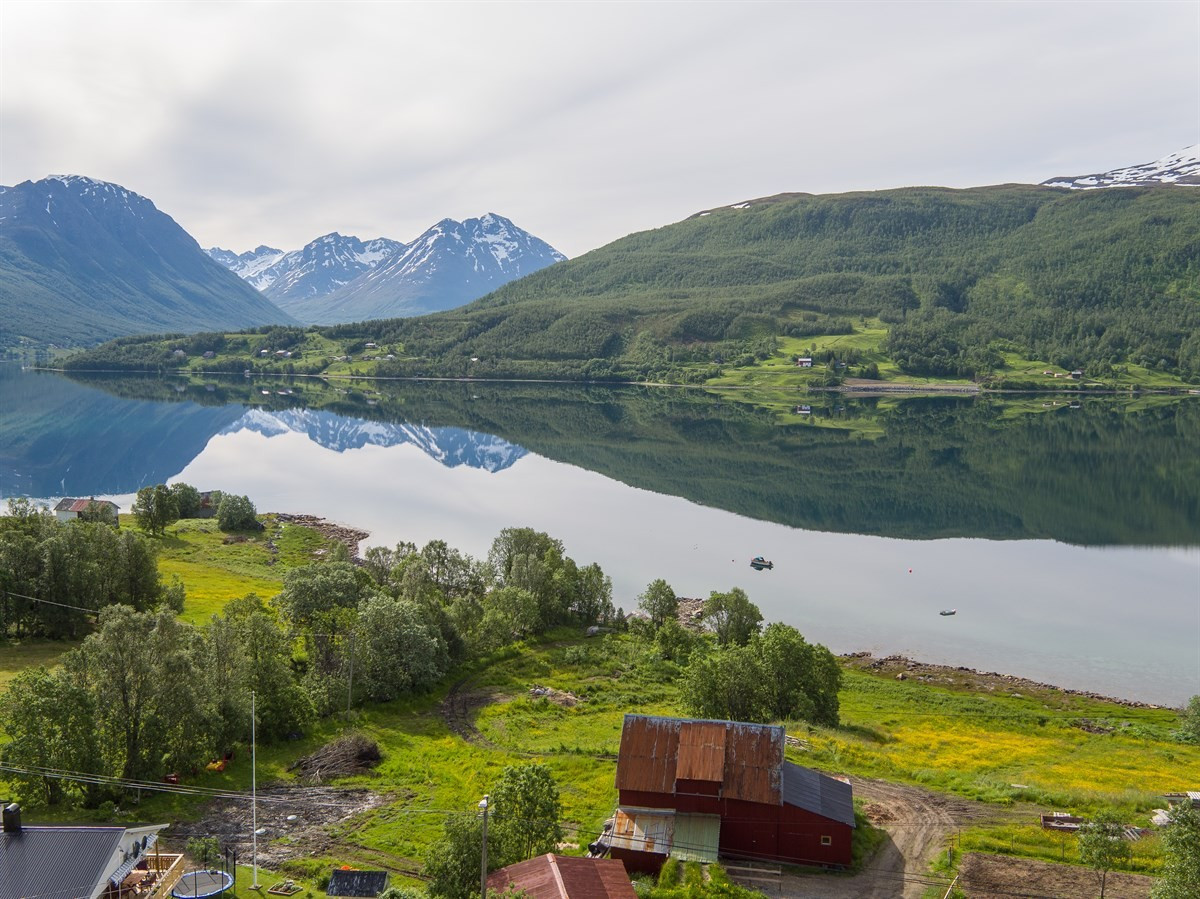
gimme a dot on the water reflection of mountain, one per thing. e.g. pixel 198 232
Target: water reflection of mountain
pixel 59 437
pixel 1103 471
pixel 450 446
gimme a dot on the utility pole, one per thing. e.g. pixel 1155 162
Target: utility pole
pixel 350 685
pixel 253 793
pixel 483 805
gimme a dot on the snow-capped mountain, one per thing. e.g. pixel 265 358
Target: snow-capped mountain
pixel 450 446
pixel 249 265
pixel 1182 167
pixel 341 279
pixel 322 266
pixel 85 260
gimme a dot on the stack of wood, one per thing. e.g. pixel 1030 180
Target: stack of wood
pixel 354 753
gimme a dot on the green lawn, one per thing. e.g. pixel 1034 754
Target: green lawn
pixel 17 656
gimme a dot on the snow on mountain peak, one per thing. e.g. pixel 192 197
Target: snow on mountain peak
pixel 1181 167
pixel 338 278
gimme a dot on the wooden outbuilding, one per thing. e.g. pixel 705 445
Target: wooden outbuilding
pixel 727 787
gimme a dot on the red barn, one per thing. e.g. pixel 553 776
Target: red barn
pixel 693 789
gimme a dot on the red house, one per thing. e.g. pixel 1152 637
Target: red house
pixel 695 789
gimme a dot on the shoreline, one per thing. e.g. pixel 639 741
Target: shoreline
pixel 904 668
pixel 691 616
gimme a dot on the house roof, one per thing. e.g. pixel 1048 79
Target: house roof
pixel 70 504
pixel 356 883
pixel 565 877
pixel 745 758
pixel 818 793
pixel 56 862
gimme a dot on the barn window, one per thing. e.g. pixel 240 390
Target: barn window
pixel 826 841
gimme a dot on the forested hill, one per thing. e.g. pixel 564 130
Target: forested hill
pixel 1085 278
pixel 963 280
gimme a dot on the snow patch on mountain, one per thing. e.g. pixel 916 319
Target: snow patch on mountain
pixel 451 447
pixel 321 266
pixel 341 279
pixel 1181 167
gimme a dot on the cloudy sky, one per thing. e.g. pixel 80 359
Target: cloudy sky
pixel 276 122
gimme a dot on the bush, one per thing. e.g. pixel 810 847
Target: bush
pixel 236 513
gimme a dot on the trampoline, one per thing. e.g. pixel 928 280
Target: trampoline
pixel 202 884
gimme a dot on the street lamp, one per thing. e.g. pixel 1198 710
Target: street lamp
pixel 483 807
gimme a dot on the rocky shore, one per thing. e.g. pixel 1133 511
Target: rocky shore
pixel 350 537
pixel 904 668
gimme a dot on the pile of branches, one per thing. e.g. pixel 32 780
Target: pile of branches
pixel 354 753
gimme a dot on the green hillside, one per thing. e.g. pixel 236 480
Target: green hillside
pixel 987 283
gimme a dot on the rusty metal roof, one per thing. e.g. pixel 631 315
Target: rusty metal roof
pixel 753 763
pixel 643 830
pixel 745 758
pixel 701 751
pixel 649 748
pixel 565 877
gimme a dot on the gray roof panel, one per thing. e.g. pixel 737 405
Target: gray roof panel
pixel 818 793
pixel 56 862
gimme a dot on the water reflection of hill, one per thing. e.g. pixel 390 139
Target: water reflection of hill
pixel 58 437
pixel 1111 472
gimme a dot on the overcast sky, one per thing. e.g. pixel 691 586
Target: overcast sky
pixel 258 122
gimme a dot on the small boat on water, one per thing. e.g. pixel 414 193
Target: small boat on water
pixel 948 612
pixel 758 563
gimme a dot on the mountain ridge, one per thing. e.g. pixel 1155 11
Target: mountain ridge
pixel 337 279
pixel 83 260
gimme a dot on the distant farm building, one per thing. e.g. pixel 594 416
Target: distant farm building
pixel 804 362
pixel 562 877
pixel 696 790
pixel 69 508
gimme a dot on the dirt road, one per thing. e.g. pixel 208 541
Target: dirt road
pixel 917 822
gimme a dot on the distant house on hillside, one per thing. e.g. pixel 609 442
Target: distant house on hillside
pixel 696 790
pixel 562 877
pixel 69 508
pixel 80 862
pixel 804 362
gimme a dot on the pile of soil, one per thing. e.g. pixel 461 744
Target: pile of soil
pixel 354 753
pixel 297 821
pixel 567 700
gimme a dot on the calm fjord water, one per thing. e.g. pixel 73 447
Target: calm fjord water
pixel 1067 539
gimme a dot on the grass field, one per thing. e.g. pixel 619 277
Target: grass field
pixel 15 657
pixel 215 567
